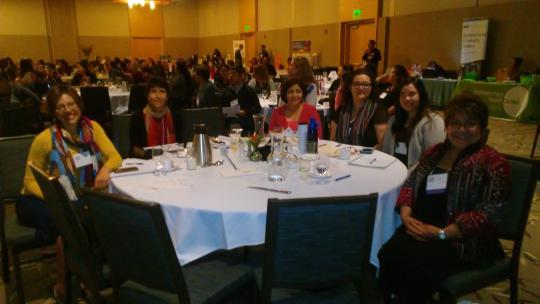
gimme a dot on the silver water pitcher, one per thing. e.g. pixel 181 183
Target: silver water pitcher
pixel 201 150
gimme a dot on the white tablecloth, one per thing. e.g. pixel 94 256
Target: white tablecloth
pixel 206 211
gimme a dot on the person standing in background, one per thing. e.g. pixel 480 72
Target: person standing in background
pixel 371 57
pixel 238 61
pixel 264 53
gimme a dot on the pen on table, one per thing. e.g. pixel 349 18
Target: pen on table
pixel 131 164
pixel 372 161
pixel 322 145
pixel 342 177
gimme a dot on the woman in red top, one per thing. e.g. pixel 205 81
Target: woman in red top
pixel 295 111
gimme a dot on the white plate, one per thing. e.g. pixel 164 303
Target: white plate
pixel 309 156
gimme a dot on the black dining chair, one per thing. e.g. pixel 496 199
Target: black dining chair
pixel 144 262
pixel 83 258
pixel 20 119
pixel 137 98
pixel 15 238
pixel 97 106
pixel 524 174
pixel 211 117
pixel 317 249
pixel 122 139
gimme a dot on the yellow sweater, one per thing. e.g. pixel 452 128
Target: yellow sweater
pixel 42 146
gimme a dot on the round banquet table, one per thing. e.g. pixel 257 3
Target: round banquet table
pixel 210 208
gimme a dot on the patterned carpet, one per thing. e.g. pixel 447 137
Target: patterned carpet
pixel 507 137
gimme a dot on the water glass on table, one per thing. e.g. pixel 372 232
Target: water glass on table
pixel 157 158
pixel 235 134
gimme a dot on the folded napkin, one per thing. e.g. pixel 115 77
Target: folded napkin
pixel 377 160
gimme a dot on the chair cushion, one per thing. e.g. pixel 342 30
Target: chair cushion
pixel 343 294
pixel 20 237
pixel 207 282
pixel 468 281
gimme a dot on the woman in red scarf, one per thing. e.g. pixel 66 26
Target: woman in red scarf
pixel 154 125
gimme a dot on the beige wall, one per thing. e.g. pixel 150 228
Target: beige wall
pixel 181 19
pixel 180 47
pixel 22 17
pixel 206 45
pixel 324 41
pixel 513 31
pixel 23 31
pixel 63 37
pixel 277 44
pixel 218 17
pixel 102 18
pixel 408 7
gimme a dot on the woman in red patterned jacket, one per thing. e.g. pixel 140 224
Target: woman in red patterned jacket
pixel 450 206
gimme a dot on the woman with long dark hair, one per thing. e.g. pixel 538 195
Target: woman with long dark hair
pixel 414 127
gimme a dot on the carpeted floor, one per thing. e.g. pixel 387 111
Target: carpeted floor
pixel 507 137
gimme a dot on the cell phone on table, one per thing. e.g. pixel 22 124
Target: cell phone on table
pixel 126 169
pixel 366 150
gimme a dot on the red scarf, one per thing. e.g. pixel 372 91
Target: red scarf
pixel 159 127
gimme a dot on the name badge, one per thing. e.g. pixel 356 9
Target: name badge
pixel 83 159
pixel 436 183
pixel 234 102
pixel 383 95
pixel 401 148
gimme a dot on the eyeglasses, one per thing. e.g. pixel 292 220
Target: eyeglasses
pixel 66 107
pixel 470 124
pixel 362 85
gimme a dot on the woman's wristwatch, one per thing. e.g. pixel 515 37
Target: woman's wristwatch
pixel 442 235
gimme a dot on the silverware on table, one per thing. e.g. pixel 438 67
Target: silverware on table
pixel 270 189
pixel 224 152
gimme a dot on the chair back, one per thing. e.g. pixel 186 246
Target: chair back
pixel 523 179
pixel 19 119
pixel 211 117
pixel 13 155
pixel 78 252
pixel 136 242
pixel 97 106
pixel 96 100
pixel 137 98
pixel 121 133
pixel 317 242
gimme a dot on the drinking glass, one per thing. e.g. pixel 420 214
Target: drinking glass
pixel 157 153
pixel 235 134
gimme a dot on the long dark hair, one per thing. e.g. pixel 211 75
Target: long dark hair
pixel 423 106
pixel 348 81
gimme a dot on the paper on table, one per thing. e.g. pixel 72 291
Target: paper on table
pixel 164 184
pixel 231 111
pixel 243 170
pixel 378 160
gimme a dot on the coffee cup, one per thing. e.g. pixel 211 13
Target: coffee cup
pixel 344 153
pixel 167 164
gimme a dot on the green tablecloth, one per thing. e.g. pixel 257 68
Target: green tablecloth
pixel 506 100
pixel 440 91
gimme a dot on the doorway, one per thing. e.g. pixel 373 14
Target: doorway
pixel 356 35
pixel 250 48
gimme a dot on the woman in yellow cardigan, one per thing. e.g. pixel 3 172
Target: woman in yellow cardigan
pixel 73 146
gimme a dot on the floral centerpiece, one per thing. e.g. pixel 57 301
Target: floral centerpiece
pixel 253 147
